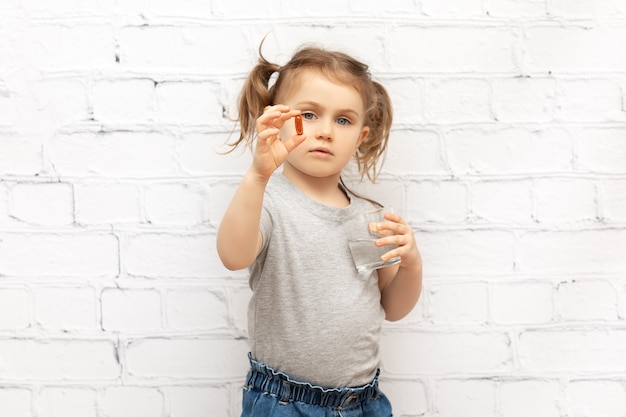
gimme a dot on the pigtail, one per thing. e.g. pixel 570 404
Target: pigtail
pixel 254 97
pixel 374 148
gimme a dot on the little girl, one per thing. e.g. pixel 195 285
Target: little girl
pixel 314 321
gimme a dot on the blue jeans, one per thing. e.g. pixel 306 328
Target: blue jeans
pixel 268 393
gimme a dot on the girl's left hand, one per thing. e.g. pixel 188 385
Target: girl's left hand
pixel 396 231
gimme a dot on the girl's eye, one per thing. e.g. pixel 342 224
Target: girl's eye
pixel 308 116
pixel 343 121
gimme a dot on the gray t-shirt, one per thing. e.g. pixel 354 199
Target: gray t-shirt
pixel 312 315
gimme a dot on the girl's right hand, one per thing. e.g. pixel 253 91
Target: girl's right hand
pixel 270 152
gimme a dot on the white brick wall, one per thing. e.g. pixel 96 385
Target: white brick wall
pixel 508 157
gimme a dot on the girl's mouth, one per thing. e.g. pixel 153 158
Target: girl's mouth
pixel 321 151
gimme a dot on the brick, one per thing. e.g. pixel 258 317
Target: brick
pixel 602 150
pixel 194 309
pixel 360 40
pixel 501 201
pixel 19 156
pixel 420 353
pixel 465 303
pixel 53 401
pixel 509 151
pixel 61 8
pixel 220 195
pixel 369 7
pixel 407 98
pixel 54 47
pixel 613 200
pixel 467 397
pixel 129 8
pixel 176 204
pixel 591 100
pixel 592 350
pixel 515 8
pixel 53 102
pixel 203 153
pixel 425 148
pixel 74 360
pixel 474 252
pixel 564 200
pixel 452 8
pixel 560 49
pixel 187 358
pixel 197 9
pixel 229 90
pixel 458 101
pixel 8 114
pixel 587 300
pixel 239 300
pixel 188 102
pixel 523 398
pixel 522 303
pixel 408 397
pixel 198 401
pixel 113 154
pixel 66 308
pixel 4 204
pixel 586 9
pixel 439 202
pixel 124 101
pixel 529 99
pixel 252 9
pixel 452 49
pixel 83 255
pixel 129 401
pixel 235 399
pixel 596 398
pixel 49 204
pixel 575 252
pixel 15 308
pixel 184 48
pixel 169 255
pixel 107 203
pixel 15 402
pixel 131 310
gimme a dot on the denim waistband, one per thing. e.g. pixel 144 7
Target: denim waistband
pixel 283 387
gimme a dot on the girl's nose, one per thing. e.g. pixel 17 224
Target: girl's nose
pixel 325 130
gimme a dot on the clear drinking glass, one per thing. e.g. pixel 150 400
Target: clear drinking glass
pixel 361 230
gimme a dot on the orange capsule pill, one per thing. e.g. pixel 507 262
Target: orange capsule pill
pixel 298 122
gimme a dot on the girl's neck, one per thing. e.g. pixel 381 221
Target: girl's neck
pixel 324 190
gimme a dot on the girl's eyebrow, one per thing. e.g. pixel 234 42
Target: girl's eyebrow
pixel 315 104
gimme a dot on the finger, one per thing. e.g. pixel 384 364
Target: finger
pixel 388 255
pixel 294 141
pixel 396 218
pixel 396 240
pixel 379 228
pixel 286 115
pixel 388 228
pixel 268 135
pixel 268 117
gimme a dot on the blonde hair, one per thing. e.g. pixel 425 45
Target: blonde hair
pixel 336 66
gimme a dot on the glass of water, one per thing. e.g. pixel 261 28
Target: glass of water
pixel 362 230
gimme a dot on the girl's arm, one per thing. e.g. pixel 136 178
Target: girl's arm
pixel 400 287
pixel 238 237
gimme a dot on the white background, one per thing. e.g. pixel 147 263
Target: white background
pixel 508 157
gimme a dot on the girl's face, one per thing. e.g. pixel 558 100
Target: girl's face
pixel 333 120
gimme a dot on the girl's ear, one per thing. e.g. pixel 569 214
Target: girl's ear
pixel 364 132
